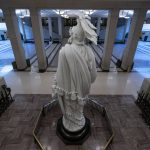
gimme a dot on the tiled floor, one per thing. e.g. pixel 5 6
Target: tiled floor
pixel 100 132
pixel 131 132
pixel 17 123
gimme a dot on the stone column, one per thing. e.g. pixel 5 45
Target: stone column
pixel 109 38
pixel 50 27
pixel 60 27
pixel 127 26
pixel 23 29
pixel 15 38
pixel 133 38
pixel 38 38
pixel 98 25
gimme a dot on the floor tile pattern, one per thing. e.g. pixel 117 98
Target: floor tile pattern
pixel 17 123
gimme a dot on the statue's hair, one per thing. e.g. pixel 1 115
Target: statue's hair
pixel 88 27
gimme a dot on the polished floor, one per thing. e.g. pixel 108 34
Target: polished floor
pixel 114 83
pixel 107 83
pixel 100 131
pixel 17 124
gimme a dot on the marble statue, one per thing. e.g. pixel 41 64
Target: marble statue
pixel 75 73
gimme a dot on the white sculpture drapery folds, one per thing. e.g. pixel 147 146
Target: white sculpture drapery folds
pixel 75 73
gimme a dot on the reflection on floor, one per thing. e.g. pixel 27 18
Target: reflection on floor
pixel 106 82
pixel 99 129
pixel 17 123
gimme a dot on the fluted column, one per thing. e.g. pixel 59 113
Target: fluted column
pixel 15 38
pixel 38 38
pixel 133 38
pixel 60 27
pixel 50 27
pixel 109 38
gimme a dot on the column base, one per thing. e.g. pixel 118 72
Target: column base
pixel 42 70
pixel 128 68
pixel 104 70
pixel 14 64
pixel 21 69
pixel 73 138
pixel 118 63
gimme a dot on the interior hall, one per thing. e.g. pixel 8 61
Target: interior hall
pixel 32 35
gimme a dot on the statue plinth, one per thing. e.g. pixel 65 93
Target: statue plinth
pixel 76 137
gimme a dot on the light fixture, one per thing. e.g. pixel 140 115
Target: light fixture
pixel 126 13
pixel 64 13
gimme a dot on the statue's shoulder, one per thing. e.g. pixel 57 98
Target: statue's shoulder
pixel 88 47
pixel 89 50
pixel 67 46
pixel 65 49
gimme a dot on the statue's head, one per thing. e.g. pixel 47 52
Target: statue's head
pixel 77 33
pixel 83 29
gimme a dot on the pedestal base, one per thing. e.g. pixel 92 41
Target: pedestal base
pixel 73 138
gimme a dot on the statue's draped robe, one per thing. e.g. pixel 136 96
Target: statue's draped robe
pixel 76 71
